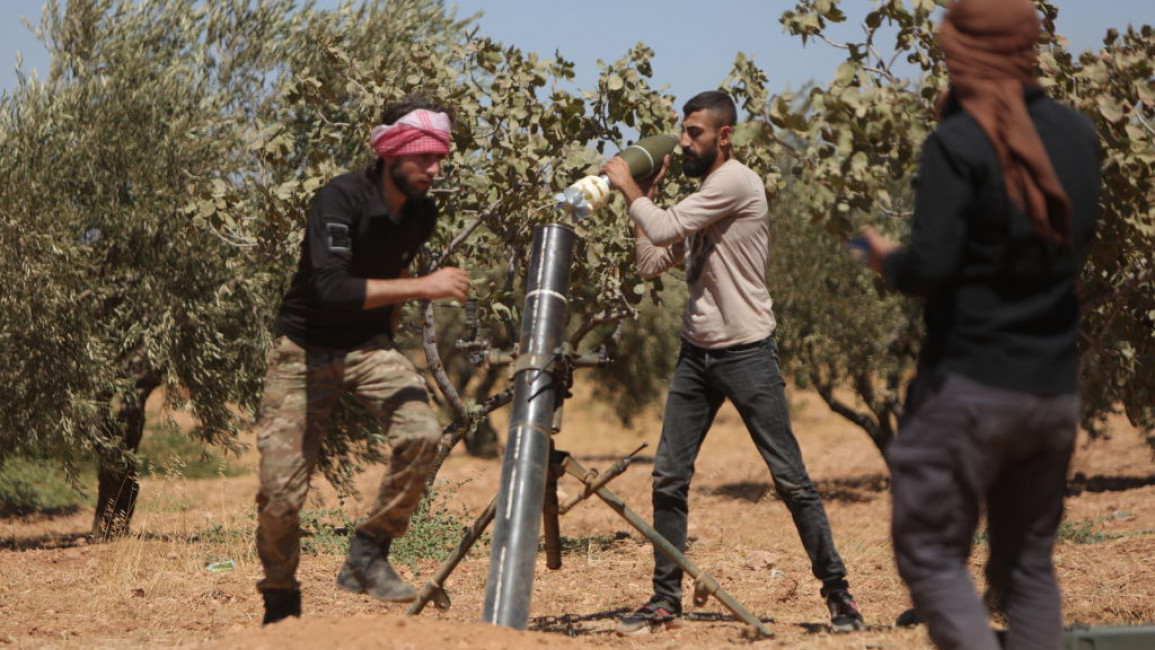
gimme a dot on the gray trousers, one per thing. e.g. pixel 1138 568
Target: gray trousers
pixel 964 447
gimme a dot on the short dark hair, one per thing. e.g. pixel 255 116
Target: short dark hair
pixel 718 103
pixel 410 103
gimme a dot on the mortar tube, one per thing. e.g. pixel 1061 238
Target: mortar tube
pixel 537 392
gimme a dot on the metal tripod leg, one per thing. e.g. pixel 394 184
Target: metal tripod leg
pixel 561 462
pixel 704 584
pixel 549 526
pixel 435 589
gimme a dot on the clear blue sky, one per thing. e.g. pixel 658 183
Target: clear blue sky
pixel 695 40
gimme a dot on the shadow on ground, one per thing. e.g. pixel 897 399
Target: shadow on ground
pixel 853 489
pixel 1082 483
pixel 577 624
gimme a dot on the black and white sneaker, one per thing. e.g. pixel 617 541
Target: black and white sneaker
pixel 844 614
pixel 654 616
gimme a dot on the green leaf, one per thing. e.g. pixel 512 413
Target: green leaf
pixel 1110 108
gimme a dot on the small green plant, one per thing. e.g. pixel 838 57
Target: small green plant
pixel 434 530
pixel 28 485
pixel 166 450
pixel 592 545
pixel 220 534
pixel 325 532
pixel 1083 531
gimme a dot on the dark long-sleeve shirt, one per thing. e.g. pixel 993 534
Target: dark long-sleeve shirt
pixel 350 237
pixel 1000 301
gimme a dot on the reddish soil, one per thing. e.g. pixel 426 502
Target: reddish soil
pixel 152 590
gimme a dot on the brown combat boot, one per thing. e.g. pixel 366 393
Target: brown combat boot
pixel 367 571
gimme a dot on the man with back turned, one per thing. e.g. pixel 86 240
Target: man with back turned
pixel 728 351
pixel 1006 203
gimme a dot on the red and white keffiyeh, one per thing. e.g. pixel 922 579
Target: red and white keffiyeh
pixel 417 132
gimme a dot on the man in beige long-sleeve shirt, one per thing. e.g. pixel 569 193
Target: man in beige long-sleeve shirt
pixel 728 350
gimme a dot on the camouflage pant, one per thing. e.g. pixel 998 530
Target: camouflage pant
pixel 301 387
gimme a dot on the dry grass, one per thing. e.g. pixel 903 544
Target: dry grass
pixel 152 590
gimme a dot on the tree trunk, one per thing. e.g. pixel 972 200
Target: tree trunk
pixel 877 427
pixel 118 488
pixel 115 500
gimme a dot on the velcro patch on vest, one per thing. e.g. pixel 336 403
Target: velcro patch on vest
pixel 339 239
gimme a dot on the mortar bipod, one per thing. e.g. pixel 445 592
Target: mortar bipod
pixel 593 484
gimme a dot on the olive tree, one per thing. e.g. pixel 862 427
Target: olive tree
pixel 111 291
pixel 156 185
pixel 521 135
pixel 847 150
pixel 157 181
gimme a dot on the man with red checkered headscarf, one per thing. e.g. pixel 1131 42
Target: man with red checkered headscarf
pixel 335 331
pixel 1007 202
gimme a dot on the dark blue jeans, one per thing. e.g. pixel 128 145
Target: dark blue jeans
pixel 749 376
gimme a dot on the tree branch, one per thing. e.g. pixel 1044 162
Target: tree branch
pixel 864 422
pixel 463 235
pixel 436 366
pixel 1144 123
pixel 429 326
pixel 896 214
pixel 1098 299
pixel 452 434
pixel 865 387
pixel 598 319
pixel 841 46
pixel 882 72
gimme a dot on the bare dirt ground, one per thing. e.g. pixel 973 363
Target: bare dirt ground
pixel 153 590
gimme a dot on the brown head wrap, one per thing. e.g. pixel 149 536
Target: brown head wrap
pixel 990 55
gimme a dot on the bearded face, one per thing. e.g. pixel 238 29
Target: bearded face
pixel 413 174
pixel 401 180
pixel 702 137
pixel 697 164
